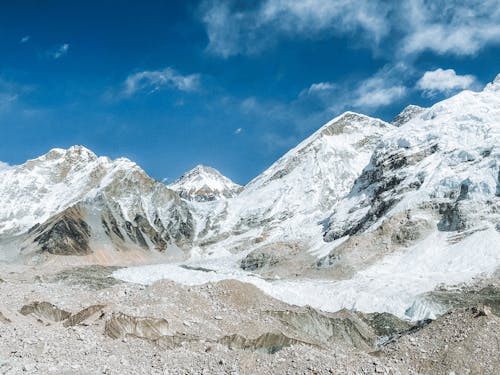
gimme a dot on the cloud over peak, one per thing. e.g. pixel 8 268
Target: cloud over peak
pixel 444 81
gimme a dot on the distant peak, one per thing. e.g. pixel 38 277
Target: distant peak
pixel 348 122
pixel 203 183
pixel 407 114
pixel 73 153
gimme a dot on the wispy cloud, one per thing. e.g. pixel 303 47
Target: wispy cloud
pixel 59 51
pixel 457 27
pixel 319 87
pixel 232 30
pixel 383 88
pixel 25 39
pixel 10 92
pixel 154 80
pixel 444 81
pixel 238 131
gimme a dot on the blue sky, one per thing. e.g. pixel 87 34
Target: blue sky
pixel 230 84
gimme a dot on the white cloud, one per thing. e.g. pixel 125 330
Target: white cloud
pixel 154 80
pixel 375 93
pixel 320 86
pixel 382 88
pixel 233 31
pixel 3 165
pixel 444 81
pixel 25 39
pixel 59 52
pixel 455 27
pixel 238 131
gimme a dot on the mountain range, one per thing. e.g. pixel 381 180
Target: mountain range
pixel 357 194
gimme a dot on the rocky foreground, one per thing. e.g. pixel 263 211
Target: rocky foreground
pixel 57 320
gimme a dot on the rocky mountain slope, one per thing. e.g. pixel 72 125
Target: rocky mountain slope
pixel 204 184
pixel 71 202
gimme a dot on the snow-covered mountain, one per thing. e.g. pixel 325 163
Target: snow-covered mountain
pixel 203 184
pixel 73 202
pixel 288 201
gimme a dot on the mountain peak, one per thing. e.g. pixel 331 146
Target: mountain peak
pixel 203 183
pixel 74 152
pixel 407 114
pixel 495 85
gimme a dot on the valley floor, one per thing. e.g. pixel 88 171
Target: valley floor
pixel 81 320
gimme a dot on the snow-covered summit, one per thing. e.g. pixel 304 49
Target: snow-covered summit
pixel 204 183
pixel 407 114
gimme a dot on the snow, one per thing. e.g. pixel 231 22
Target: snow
pixel 393 284
pixel 289 200
pixel 204 183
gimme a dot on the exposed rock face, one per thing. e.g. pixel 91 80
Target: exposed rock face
pixel 203 184
pixel 258 259
pixel 426 165
pixel 66 233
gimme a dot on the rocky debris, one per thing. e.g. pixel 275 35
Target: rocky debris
pixel 386 325
pixel 224 327
pixel 363 249
pixel 482 293
pixel 93 277
pixel 45 310
pixel 464 341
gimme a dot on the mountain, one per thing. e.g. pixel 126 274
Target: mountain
pixel 288 201
pixel 72 202
pixel 364 215
pixel 203 184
